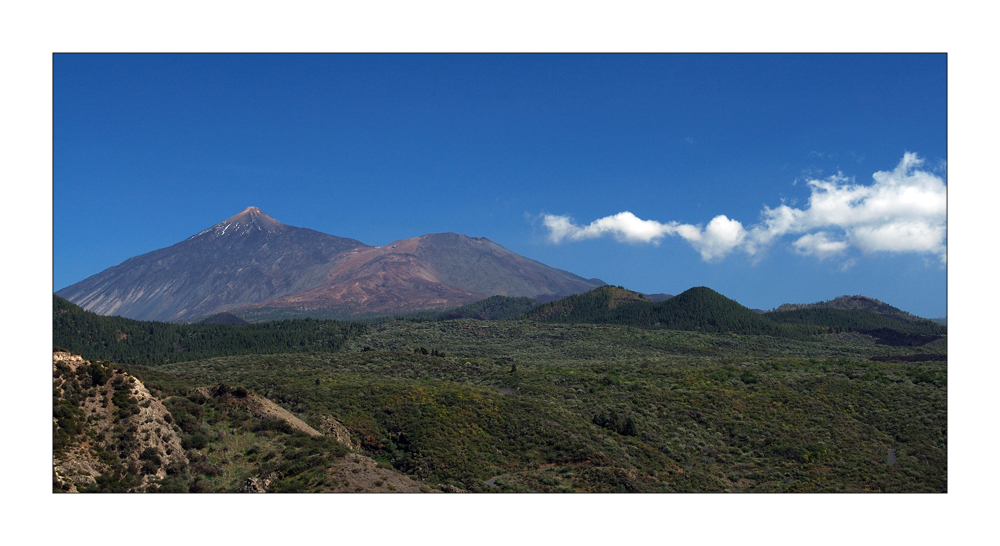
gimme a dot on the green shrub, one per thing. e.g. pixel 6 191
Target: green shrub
pixel 194 441
pixel 622 424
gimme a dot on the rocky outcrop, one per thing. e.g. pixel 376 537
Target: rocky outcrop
pixel 258 484
pixel 107 424
pixel 332 427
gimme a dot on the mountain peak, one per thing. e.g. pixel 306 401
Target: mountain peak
pixel 253 215
pixel 250 220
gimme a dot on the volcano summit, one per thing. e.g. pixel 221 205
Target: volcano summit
pixel 253 265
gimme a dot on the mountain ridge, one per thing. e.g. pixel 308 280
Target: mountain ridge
pixel 255 267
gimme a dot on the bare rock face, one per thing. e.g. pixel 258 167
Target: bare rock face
pixel 332 427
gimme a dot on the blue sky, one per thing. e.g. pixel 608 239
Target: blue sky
pixel 532 152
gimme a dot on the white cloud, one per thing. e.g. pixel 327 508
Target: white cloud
pixel 819 244
pixel 716 240
pixel 848 264
pixel 719 238
pixel 624 226
pixel 904 210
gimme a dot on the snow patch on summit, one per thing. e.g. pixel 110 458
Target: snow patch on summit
pixel 243 223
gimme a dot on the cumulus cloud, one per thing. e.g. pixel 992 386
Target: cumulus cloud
pixel 719 237
pixel 716 240
pixel 903 210
pixel 819 244
pixel 624 226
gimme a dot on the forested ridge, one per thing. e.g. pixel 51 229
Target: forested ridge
pixel 698 309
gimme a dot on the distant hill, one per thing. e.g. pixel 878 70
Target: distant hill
pixel 848 313
pixel 223 318
pixel 697 309
pixel 255 267
pixel 493 308
pixel 591 306
pixel 853 303
pixel 854 319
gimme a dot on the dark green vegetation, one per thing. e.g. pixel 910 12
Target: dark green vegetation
pixel 843 320
pixel 139 342
pixel 856 303
pixel 530 405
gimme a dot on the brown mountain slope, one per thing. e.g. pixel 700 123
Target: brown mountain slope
pixel 430 272
pixel 480 265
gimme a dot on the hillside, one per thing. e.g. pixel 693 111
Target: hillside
pixel 113 434
pixel 223 318
pixel 109 432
